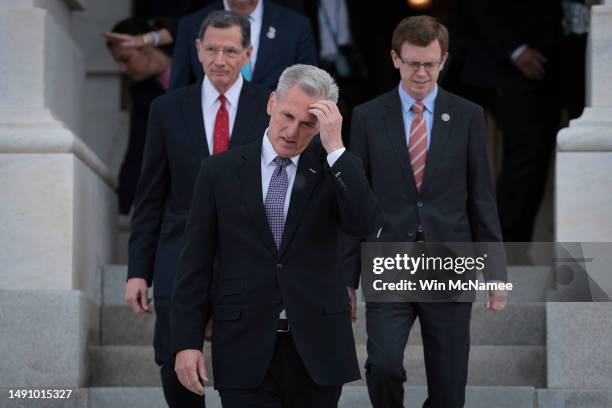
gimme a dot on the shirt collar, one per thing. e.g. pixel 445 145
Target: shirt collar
pixel 408 101
pixel 210 93
pixel 268 154
pixel 256 15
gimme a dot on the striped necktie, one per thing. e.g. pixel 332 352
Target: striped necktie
pixel 417 145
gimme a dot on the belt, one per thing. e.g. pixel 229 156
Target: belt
pixel 283 326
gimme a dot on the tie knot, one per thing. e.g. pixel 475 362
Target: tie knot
pixel 222 99
pixel 418 107
pixel 281 162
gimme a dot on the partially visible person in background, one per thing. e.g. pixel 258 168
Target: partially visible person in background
pixel 148 69
pixel 575 24
pixel 509 60
pixel 333 27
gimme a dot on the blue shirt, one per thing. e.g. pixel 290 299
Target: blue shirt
pixel 408 115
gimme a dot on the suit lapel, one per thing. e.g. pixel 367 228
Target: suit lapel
pixel 394 123
pixel 250 180
pixel 309 171
pixel 194 121
pixel 245 114
pixel 440 133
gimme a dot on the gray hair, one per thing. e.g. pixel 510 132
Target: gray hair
pixel 226 19
pixel 312 80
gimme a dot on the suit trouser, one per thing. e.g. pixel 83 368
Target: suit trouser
pixel 445 330
pixel 287 384
pixel 176 395
pixel 529 120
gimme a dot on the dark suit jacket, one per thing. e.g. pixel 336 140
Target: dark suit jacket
pixel 227 219
pixel 175 147
pixel 456 202
pixel 293 43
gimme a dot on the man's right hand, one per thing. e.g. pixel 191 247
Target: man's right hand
pixel 137 295
pixel 190 368
pixel 531 64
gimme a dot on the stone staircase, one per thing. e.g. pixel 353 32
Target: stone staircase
pixel 507 358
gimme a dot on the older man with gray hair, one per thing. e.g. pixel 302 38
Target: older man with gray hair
pixel 267 215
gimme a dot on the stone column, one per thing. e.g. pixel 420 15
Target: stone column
pixel 579 335
pixel 57 201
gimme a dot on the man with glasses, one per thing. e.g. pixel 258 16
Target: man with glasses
pixel 279 36
pixel 424 153
pixel 185 126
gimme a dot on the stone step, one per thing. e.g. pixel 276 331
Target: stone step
pixel 530 284
pixel 352 397
pixel 66 397
pixel 113 284
pixel 518 324
pixel 488 365
pixel 120 326
pixel 139 397
pixel 134 366
pixel 475 397
pixel 116 366
pixel 123 238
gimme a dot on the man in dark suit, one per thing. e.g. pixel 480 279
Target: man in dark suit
pixel 509 61
pixel 268 216
pixel 186 126
pixel 280 38
pixel 424 153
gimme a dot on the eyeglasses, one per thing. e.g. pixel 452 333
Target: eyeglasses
pixel 416 65
pixel 229 52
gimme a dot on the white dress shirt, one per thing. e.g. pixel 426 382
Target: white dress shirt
pixel 211 104
pixel 256 20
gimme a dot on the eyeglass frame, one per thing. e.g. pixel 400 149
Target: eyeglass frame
pixel 416 65
pixel 213 51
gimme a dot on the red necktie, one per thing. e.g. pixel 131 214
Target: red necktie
pixel 417 144
pixel 221 133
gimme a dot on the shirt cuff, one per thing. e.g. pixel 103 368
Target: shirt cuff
pixel 335 155
pixel 517 52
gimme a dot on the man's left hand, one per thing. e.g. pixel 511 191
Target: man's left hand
pixel 330 124
pixel 496 299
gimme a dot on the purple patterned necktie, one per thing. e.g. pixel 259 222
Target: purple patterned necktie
pixel 275 199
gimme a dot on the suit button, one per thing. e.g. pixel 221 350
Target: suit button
pixel 279 266
pixel 419 204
